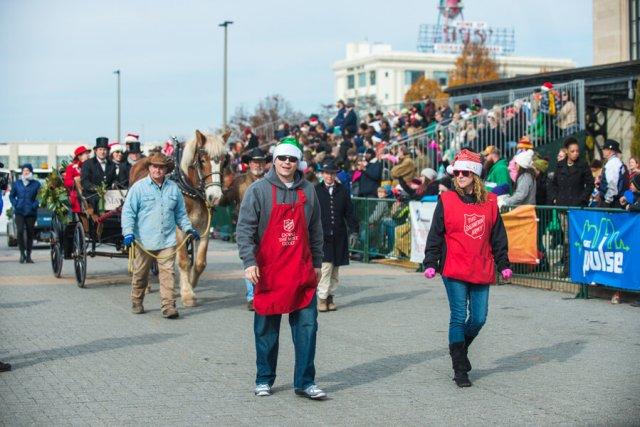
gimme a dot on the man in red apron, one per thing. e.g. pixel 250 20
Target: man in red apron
pixel 279 235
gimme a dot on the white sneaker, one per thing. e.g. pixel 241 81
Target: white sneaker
pixel 312 392
pixel 262 390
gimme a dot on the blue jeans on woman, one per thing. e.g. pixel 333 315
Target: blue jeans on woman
pixel 469 305
pixel 304 327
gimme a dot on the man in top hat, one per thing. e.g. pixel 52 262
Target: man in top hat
pixel 234 195
pixel 97 171
pixel 153 208
pixel 122 166
pixel 134 153
pixel 338 218
pixel 614 178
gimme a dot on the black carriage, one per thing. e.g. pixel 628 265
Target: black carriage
pixel 90 234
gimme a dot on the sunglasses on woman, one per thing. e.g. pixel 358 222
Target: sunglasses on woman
pixel 292 159
pixel 463 173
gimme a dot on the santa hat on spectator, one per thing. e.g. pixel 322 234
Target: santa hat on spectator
pixel 313 120
pixel 467 161
pixel 115 146
pixel 290 146
pixel 247 130
pixel 546 86
pixel 131 137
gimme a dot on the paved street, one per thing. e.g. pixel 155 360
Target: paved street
pixel 80 357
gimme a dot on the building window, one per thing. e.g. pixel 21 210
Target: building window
pixel 5 161
pixel 386 74
pixel 372 78
pixel 410 77
pixel 38 162
pixel 634 29
pixel 351 81
pixel 386 96
pixel 362 79
pixel 442 77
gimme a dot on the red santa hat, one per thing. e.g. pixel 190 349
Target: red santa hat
pixel 131 137
pixel 467 160
pixel 115 146
pixel 546 86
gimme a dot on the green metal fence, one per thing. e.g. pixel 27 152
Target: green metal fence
pixel 385 233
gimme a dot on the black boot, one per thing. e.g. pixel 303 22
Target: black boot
pixel 467 342
pixel 23 258
pixel 4 367
pixel 28 259
pixel 461 364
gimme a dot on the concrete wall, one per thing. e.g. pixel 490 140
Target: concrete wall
pixel 610 31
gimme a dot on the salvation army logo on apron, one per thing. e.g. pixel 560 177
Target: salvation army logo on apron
pixel 474 225
pixel 289 225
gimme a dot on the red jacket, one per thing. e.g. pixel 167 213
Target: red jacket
pixel 72 171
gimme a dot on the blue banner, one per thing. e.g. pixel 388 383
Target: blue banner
pixel 605 248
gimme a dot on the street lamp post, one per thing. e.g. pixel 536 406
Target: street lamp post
pixel 118 129
pixel 225 24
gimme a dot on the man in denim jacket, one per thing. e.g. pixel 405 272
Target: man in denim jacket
pixel 153 208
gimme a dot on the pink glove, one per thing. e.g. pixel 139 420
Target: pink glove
pixel 430 273
pixel 507 273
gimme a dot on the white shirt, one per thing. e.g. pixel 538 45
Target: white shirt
pixel 612 174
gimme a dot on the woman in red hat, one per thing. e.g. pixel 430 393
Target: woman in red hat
pixel 466 240
pixel 72 174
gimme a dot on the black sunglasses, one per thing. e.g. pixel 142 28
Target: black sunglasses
pixel 463 173
pixel 291 159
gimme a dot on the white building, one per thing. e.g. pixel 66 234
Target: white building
pixel 373 69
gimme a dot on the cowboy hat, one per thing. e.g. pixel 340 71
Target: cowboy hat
pixel 160 159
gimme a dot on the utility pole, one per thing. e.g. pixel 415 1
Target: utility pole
pixel 225 24
pixel 118 130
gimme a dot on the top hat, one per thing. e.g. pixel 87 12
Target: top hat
pixel 102 142
pixel 612 144
pixel 134 147
pixel 330 166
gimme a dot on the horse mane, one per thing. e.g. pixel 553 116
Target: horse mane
pixel 214 146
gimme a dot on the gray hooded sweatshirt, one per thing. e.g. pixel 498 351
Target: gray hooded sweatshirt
pixel 255 212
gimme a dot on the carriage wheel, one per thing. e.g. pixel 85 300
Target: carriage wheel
pixel 56 258
pixel 56 248
pixel 79 255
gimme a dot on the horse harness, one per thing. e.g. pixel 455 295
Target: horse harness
pixel 180 178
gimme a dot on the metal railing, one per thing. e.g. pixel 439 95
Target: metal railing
pixel 385 232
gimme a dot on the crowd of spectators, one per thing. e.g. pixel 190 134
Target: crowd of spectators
pixel 403 155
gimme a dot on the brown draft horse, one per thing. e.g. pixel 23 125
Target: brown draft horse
pixel 202 164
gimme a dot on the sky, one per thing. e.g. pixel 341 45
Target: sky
pixel 58 56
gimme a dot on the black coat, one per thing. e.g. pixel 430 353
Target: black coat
pixel 338 218
pixel 571 186
pixel 92 176
pixel 122 171
pixel 350 124
pixel 370 179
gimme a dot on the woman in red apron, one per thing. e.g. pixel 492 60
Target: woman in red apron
pixel 466 240
pixel 279 237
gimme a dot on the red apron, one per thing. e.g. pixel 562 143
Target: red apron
pixel 287 279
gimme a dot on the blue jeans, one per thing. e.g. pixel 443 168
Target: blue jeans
pixel 304 326
pixel 461 296
pixel 249 289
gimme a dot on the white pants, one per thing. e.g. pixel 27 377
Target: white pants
pixel 328 281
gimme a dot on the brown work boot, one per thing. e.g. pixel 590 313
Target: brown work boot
pixel 137 308
pixel 322 305
pixel 330 304
pixel 170 312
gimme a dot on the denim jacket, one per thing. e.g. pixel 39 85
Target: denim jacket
pixel 152 212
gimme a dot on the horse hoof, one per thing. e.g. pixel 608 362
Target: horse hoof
pixel 189 302
pixel 148 290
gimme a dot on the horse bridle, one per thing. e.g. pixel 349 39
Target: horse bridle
pixel 215 161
